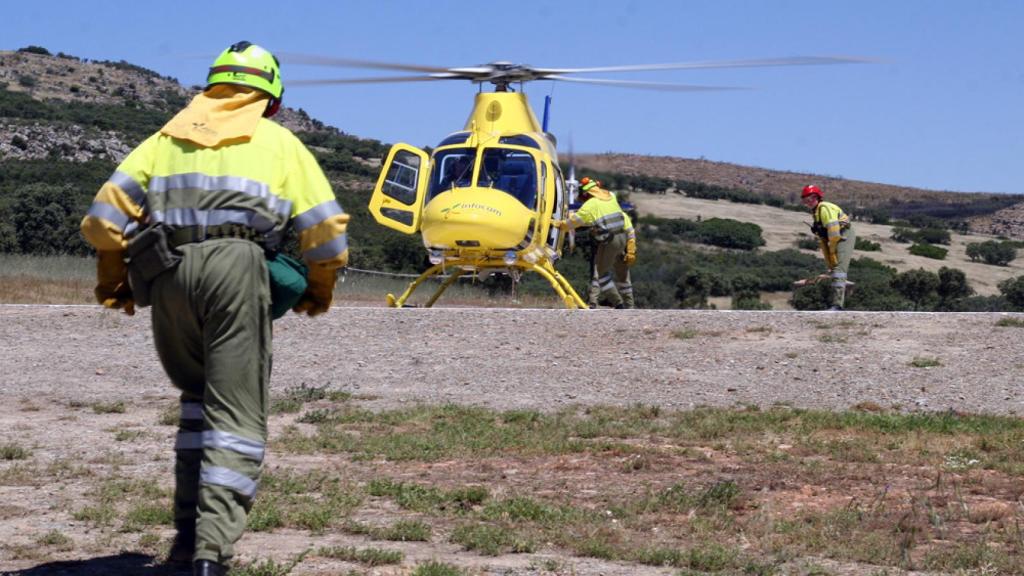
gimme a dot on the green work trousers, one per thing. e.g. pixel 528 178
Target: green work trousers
pixel 844 253
pixel 610 275
pixel 212 330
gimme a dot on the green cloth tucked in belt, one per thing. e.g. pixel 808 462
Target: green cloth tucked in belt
pixel 287 283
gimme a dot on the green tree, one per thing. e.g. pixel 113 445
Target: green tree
pixel 992 252
pixel 952 289
pixel 919 286
pixel 1013 290
pixel 692 289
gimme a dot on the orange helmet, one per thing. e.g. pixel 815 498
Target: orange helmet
pixel 811 189
pixel 586 183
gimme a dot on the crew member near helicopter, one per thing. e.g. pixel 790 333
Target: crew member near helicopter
pixel 612 231
pixel 836 238
pixel 216 189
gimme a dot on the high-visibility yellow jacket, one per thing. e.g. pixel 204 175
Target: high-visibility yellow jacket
pixel 605 215
pixel 832 222
pixel 263 184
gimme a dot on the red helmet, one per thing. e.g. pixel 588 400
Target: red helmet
pixel 811 189
pixel 586 184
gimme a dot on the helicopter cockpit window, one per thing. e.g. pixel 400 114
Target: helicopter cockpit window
pixel 453 168
pixel 402 176
pixel 457 138
pixel 519 140
pixel 512 171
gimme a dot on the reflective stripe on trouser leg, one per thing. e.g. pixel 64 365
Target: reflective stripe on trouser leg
pixel 604 262
pixel 623 283
pixel 844 253
pixel 222 286
pixel 186 463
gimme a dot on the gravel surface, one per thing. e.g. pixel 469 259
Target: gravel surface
pixel 59 363
pixel 546 359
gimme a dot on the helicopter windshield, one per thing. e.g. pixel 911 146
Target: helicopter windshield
pixel 453 168
pixel 511 171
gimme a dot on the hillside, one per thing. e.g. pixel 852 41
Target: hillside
pixel 995 214
pixel 66 122
pixel 782 228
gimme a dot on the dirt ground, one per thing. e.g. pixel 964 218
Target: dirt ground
pixel 59 362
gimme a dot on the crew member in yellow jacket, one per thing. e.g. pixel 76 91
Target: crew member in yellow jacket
pixel 836 237
pixel 223 183
pixel 612 231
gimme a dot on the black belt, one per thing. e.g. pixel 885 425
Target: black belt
pixel 192 234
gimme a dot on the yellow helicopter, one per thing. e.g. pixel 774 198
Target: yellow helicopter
pixel 485 198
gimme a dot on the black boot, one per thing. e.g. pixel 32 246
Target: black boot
pixel 208 568
pixel 184 544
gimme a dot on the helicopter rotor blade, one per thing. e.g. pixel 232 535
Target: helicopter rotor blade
pixel 710 64
pixel 305 59
pixel 644 85
pixel 376 80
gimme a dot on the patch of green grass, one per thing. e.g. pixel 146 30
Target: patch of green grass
pixel 491 540
pixel 170 415
pixel 128 435
pixel 400 531
pixel 365 556
pixel 148 514
pixel 56 539
pixel 294 398
pixel 267 567
pixel 435 568
pixel 1010 323
pixel 427 498
pixel 925 362
pixel 109 407
pixel 14 452
pixel 265 515
pixel 685 334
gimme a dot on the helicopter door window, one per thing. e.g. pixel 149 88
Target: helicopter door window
pixel 454 170
pixel 400 182
pixel 511 171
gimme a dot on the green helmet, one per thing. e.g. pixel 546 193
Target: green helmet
pixel 247 64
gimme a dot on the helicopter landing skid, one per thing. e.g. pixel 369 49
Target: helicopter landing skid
pixel 558 282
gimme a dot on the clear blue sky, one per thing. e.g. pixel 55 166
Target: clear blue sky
pixel 944 110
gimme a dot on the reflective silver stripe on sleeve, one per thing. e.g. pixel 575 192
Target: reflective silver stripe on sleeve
pixel 132 188
pixel 839 274
pixel 839 284
pixel 110 213
pixel 188 441
pixel 220 476
pixel 327 250
pixel 195 180
pixel 191 410
pixel 228 441
pixel 316 215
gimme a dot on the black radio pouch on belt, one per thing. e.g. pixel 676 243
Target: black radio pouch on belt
pixel 149 255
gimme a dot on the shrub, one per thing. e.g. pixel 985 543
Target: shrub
pixel 928 251
pixel 952 288
pixel 1013 290
pixel 728 233
pixel 35 50
pixel 867 245
pixel 919 286
pixel 808 244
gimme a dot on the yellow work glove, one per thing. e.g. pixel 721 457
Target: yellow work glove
pixel 560 224
pixel 630 256
pixel 112 288
pixel 319 291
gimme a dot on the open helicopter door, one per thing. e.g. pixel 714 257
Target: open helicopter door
pixel 397 199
